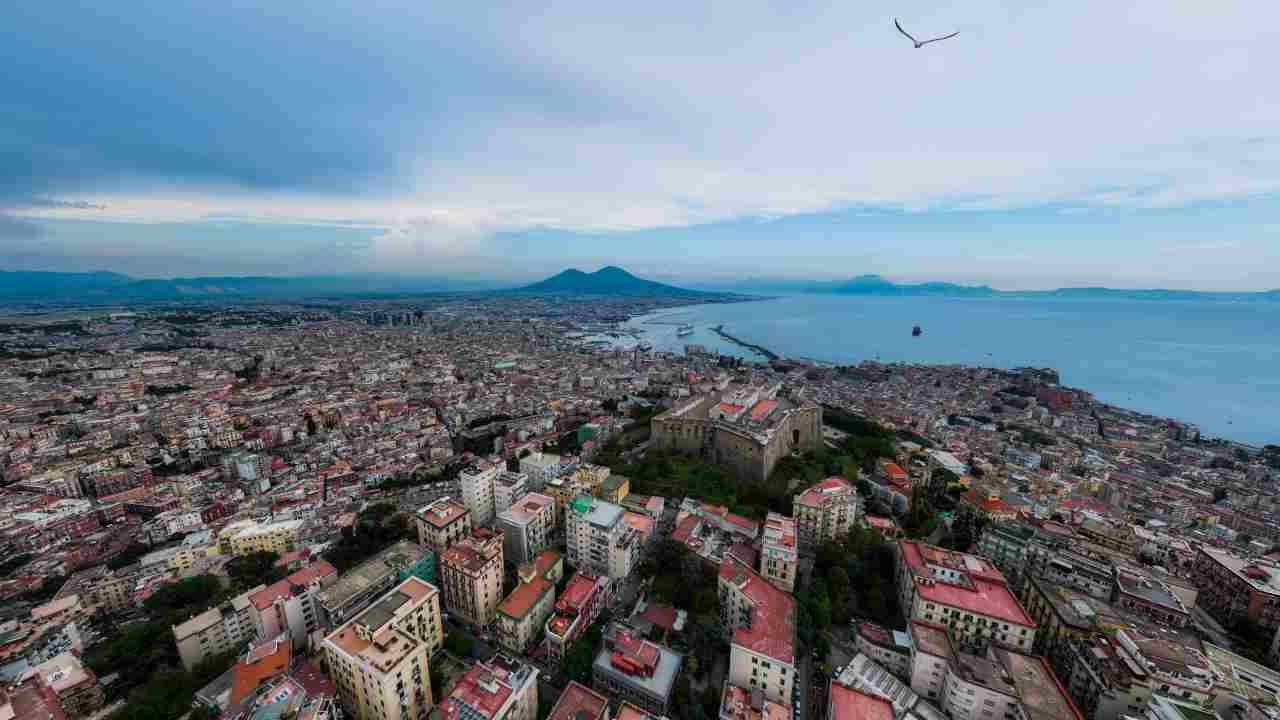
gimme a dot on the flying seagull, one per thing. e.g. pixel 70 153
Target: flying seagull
pixel 921 43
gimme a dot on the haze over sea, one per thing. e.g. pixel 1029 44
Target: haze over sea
pixel 1212 363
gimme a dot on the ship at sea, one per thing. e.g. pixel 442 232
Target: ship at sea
pixel 916 331
pixel 684 331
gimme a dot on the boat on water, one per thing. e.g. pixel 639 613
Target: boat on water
pixel 916 331
pixel 684 331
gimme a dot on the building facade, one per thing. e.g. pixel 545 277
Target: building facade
pixel 527 526
pixel 378 660
pixel 471 575
pixel 441 524
pixel 824 512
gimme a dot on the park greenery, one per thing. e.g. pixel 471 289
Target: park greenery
pixel 151 676
pixel 677 475
pixel 376 527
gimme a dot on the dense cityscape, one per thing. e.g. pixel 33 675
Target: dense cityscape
pixel 474 507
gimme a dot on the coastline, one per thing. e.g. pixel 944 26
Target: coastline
pixel 1197 363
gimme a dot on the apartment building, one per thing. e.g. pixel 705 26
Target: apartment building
pixel 278 537
pixel 471 576
pixel 502 689
pixel 225 628
pixel 824 512
pixel 990 684
pixel 522 614
pixel 477 491
pixel 541 468
pixel 527 526
pixel 361 585
pixel 378 660
pixel 761 619
pixel 739 703
pixel 890 648
pixel 963 592
pixel 577 608
pixel 74 685
pixel 631 669
pixel 1116 675
pixel 441 524
pixel 599 540
pixel 1234 587
pixel 292 605
pixel 579 702
pixel 508 488
pixel 779 554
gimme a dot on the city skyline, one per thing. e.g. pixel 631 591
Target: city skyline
pixel 1084 145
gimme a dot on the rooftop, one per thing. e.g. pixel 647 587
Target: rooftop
pixel 738 703
pixel 579 702
pixel 442 512
pixel 849 704
pixel 772 629
pixel 371 572
pixel 525 597
pixel 824 492
pixel 962 581
pixel 644 664
pixel 1043 697
pixel 597 512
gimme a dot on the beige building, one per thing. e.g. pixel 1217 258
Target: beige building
pixel 824 512
pixel 378 660
pixel 522 614
pixel 226 628
pixel 779 554
pixel 964 593
pixel 526 527
pixel 441 524
pixel 761 619
pixel 749 429
pixel 74 685
pixel 280 538
pixel 471 575
pixel 477 491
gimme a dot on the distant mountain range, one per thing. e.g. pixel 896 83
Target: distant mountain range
pixel 877 285
pixel 608 280
pixel 108 287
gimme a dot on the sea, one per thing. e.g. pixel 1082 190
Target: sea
pixel 1212 363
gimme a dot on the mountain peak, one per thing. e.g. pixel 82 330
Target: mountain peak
pixel 608 280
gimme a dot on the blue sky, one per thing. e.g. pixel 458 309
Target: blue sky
pixel 1119 143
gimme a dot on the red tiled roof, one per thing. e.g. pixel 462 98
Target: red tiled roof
pixel 479 690
pixel 772 631
pixel 985 593
pixel 579 702
pixel 261 664
pixel 849 704
pixel 763 408
pixel 664 616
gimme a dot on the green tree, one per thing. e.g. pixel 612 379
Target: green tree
pixel 460 644
pixel 256 568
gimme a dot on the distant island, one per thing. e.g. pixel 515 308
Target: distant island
pixel 877 285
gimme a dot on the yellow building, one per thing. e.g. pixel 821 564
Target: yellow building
pixel 279 538
pixel 378 659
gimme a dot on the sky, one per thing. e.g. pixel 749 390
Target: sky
pixel 1130 144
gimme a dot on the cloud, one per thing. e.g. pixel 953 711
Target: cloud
pixel 47 203
pixel 440 127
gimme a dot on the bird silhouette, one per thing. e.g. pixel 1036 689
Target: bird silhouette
pixel 921 43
